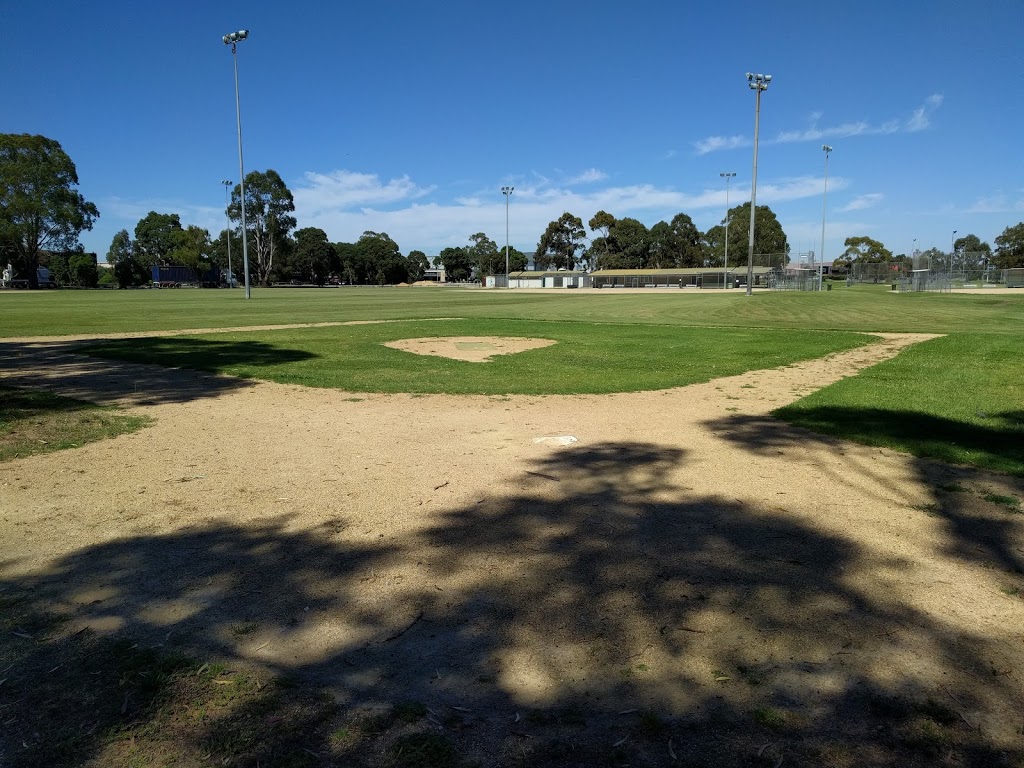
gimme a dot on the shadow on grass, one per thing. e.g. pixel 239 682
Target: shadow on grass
pixel 64 368
pixel 41 422
pixel 999 447
pixel 608 620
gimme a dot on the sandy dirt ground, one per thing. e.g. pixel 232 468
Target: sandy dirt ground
pixel 688 553
pixel 471 349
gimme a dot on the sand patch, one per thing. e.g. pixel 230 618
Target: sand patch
pixel 471 349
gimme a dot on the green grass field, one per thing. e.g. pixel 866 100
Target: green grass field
pixel 586 359
pixel 862 308
pixel 955 399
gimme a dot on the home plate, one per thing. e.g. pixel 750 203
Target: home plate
pixel 556 440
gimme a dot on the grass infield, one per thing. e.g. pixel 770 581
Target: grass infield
pixel 588 358
pixel 959 399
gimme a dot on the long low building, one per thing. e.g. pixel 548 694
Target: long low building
pixel 698 277
pixel 694 277
pixel 537 279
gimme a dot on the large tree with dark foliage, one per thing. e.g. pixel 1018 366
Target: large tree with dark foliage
pixel 1010 248
pixel 268 220
pixel 560 243
pixel 769 238
pixel 40 210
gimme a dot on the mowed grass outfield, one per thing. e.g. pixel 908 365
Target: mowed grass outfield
pixel 958 398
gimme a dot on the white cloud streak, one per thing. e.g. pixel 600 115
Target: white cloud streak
pixel 919 120
pixel 861 202
pixel 715 143
pixel 589 176
pixel 345 189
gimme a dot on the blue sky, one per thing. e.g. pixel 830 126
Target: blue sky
pixel 407 117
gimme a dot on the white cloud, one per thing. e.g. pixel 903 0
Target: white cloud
pixel 919 120
pixel 589 176
pixel 861 202
pixel 715 143
pixel 838 131
pixel 535 202
pixel 669 154
pixel 994 204
pixel 347 189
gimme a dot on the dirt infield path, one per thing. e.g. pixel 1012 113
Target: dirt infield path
pixel 430 548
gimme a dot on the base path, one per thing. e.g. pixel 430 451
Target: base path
pixel 430 548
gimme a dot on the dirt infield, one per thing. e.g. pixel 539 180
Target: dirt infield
pixel 688 554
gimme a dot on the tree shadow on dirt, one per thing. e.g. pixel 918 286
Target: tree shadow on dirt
pixel 598 616
pixel 985 534
pixel 132 378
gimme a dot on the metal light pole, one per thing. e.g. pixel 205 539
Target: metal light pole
pixel 507 192
pixel 824 202
pixel 757 83
pixel 952 250
pixel 728 176
pixel 231 39
pixel 227 200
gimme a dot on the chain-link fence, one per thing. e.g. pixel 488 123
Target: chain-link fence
pixel 801 279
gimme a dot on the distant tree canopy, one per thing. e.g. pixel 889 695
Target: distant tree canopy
pixel 156 238
pixel 865 250
pixel 268 220
pixel 769 238
pixel 1010 248
pixel 313 256
pixel 560 243
pixel 417 264
pixel 382 257
pixel 457 262
pixel 128 270
pixel 484 256
pixel 39 208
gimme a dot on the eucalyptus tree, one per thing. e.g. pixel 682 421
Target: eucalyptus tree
pixel 268 220
pixel 40 209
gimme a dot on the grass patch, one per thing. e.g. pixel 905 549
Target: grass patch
pixel 959 399
pixel 770 718
pixel 587 358
pixel 1010 503
pixel 40 422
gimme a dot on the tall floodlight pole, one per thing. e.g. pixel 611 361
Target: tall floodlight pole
pixel 232 39
pixel 952 250
pixel 824 202
pixel 757 84
pixel 227 204
pixel 728 176
pixel 507 192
